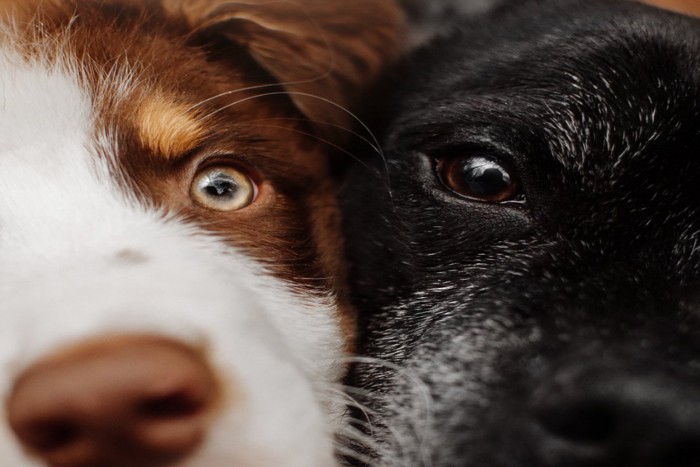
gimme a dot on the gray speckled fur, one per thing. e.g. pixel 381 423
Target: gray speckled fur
pixel 476 314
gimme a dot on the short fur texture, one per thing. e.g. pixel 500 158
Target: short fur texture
pixel 109 109
pixel 562 330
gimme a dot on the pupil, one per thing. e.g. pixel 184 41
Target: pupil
pixel 483 178
pixel 220 187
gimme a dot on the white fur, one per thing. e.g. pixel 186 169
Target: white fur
pixel 63 222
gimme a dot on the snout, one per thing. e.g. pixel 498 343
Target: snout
pixel 136 401
pixel 586 415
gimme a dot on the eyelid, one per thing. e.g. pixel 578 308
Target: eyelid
pixel 228 159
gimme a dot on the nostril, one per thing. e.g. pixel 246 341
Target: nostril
pixel 583 423
pixel 178 404
pixel 685 453
pixel 126 401
pixel 52 435
pixel 603 416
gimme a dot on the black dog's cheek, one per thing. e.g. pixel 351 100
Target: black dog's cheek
pixel 446 386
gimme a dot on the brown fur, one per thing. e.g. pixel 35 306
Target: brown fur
pixel 192 101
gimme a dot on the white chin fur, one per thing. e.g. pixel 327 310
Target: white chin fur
pixel 63 224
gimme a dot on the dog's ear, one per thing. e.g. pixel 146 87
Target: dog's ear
pixel 689 7
pixel 318 50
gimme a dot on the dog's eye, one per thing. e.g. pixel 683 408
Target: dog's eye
pixel 223 189
pixel 479 178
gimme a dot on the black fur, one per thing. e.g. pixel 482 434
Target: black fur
pixel 563 330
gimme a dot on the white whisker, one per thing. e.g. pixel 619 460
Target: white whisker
pixel 318 122
pixel 426 400
pixel 376 145
pixel 323 75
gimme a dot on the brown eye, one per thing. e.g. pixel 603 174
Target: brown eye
pixel 222 189
pixel 479 178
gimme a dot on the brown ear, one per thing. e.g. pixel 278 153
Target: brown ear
pixel 689 7
pixel 318 50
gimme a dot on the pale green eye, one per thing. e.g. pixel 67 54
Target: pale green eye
pixel 222 189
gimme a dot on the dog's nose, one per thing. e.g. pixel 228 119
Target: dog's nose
pixel 618 418
pixel 126 401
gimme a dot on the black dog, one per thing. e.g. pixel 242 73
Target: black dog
pixel 528 257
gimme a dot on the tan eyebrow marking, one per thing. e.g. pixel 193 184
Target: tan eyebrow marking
pixel 168 128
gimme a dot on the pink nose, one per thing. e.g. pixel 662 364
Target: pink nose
pixel 132 401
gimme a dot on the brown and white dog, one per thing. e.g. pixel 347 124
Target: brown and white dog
pixel 168 261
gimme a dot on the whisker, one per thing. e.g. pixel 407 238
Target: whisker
pixel 323 75
pixel 318 122
pixel 349 453
pixel 352 402
pixel 352 115
pixel 424 450
pixel 236 91
pixel 322 140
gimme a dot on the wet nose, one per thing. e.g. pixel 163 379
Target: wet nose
pixel 131 401
pixel 617 417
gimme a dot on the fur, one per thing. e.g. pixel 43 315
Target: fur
pixel 108 110
pixel 559 328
